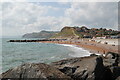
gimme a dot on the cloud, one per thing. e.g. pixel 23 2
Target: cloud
pixel 23 17
pixel 59 0
pixel 19 18
pixel 13 0
pixel 93 14
pixel 96 1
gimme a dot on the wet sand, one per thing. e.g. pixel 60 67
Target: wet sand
pixel 92 46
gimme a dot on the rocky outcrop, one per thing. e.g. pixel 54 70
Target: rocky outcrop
pixel 115 72
pixel 92 67
pixel 112 59
pixel 34 70
pixel 85 68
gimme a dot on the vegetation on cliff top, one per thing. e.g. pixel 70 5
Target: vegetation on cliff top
pixel 74 32
pixel 84 32
pixel 67 32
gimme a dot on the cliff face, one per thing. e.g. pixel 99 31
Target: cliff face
pixel 68 32
pixel 42 34
pixel 86 68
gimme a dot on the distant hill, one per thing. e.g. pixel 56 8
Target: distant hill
pixel 84 32
pixel 42 34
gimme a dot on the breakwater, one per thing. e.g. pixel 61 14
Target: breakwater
pixel 36 40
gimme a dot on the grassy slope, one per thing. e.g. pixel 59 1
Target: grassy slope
pixel 71 32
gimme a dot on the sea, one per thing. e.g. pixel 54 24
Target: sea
pixel 16 53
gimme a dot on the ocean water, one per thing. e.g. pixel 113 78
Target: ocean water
pixel 14 54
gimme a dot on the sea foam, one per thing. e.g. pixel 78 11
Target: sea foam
pixel 78 51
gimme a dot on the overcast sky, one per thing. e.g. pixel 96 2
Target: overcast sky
pixel 19 18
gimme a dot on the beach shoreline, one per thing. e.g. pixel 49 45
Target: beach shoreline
pixel 91 46
pixel 99 46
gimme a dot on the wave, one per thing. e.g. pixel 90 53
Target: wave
pixel 78 51
pixel 67 45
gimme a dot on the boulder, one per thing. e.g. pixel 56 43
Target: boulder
pixel 93 55
pixel 115 72
pixel 87 68
pixel 112 59
pixel 34 70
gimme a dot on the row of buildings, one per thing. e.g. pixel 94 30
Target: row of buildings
pixel 108 37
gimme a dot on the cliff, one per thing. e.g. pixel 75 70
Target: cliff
pixel 68 32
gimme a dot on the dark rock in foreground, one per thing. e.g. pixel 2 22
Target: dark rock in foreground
pixel 92 67
pixel 89 68
pixel 85 68
pixel 33 70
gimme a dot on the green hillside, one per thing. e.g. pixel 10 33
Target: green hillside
pixel 67 32
pixel 74 32
pixel 84 32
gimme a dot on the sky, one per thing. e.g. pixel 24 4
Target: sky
pixel 19 18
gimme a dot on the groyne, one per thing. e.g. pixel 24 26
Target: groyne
pixel 39 40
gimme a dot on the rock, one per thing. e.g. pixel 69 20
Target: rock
pixel 115 72
pixel 112 59
pixel 101 72
pixel 93 55
pixel 34 70
pixel 118 78
pixel 87 68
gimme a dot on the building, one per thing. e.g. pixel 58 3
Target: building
pixel 101 37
